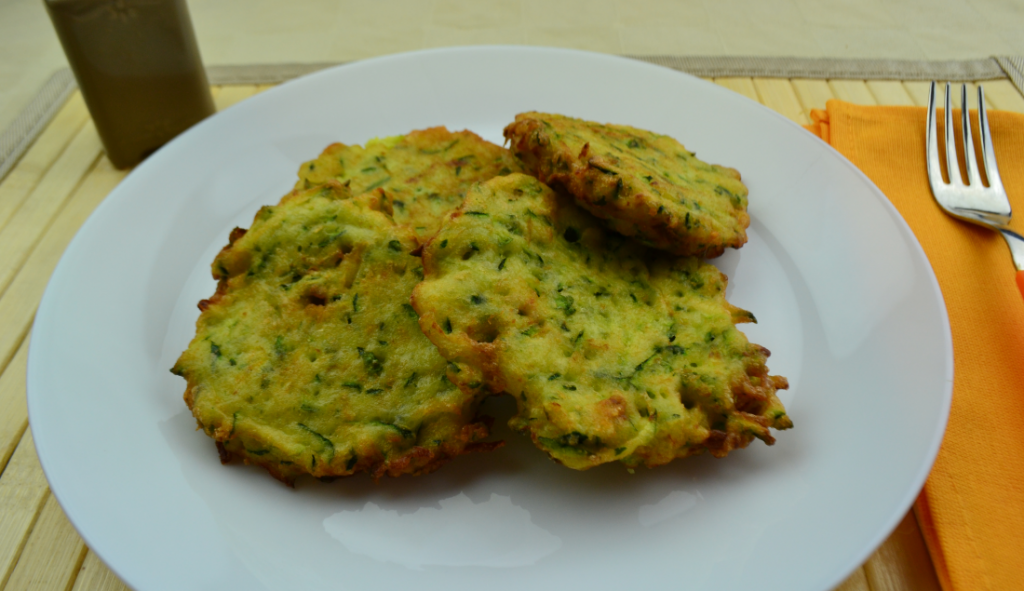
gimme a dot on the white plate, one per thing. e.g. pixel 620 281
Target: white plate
pixel 844 296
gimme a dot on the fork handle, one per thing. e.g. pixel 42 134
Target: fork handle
pixel 1020 282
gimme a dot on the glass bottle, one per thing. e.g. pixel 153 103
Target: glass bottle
pixel 138 67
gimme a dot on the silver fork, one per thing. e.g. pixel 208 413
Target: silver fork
pixel 971 201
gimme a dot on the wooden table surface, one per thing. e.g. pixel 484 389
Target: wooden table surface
pixel 65 175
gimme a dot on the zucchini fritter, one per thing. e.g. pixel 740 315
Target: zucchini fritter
pixel 612 351
pixel 423 174
pixel 644 185
pixel 309 360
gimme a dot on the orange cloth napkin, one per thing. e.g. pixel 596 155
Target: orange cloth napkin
pixel 972 507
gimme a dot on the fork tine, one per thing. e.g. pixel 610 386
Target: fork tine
pixel 973 176
pixel 932 144
pixel 987 154
pixel 952 167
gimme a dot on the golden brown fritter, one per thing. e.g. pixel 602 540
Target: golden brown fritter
pixel 612 351
pixel 644 185
pixel 309 360
pixel 423 174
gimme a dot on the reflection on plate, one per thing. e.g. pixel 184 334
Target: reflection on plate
pixel 844 297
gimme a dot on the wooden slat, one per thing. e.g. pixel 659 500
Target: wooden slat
pixel 95 576
pixel 229 95
pixel 45 201
pixel 902 561
pixel 18 304
pixel 20 181
pixel 852 91
pixel 889 92
pixel 812 94
pixel 1003 95
pixel 918 92
pixel 778 95
pixel 13 413
pixel 856 582
pixel 23 490
pixel 52 555
pixel 744 86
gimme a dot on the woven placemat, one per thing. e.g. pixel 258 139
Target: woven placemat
pixel 20 134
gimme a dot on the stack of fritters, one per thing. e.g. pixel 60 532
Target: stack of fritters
pixel 313 356
pixel 612 351
pixel 644 185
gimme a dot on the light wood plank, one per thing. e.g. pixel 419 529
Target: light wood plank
pixel 744 86
pixel 53 554
pixel 890 92
pixel 13 413
pixel 855 582
pixel 852 91
pixel 95 576
pixel 778 94
pixel 20 181
pixel 45 201
pixel 918 91
pixel 23 490
pixel 812 94
pixel 235 93
pixel 902 561
pixel 18 304
pixel 1003 95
